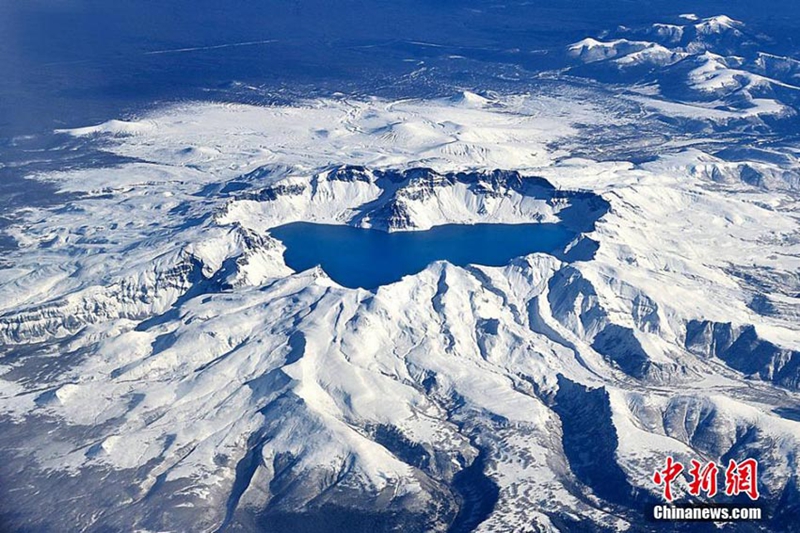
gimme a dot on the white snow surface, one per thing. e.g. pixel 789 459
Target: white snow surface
pixel 316 367
pixel 697 62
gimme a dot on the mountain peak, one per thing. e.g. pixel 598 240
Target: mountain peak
pixel 718 24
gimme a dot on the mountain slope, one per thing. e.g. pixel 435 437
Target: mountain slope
pixel 159 353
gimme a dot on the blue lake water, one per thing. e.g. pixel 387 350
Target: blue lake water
pixel 355 257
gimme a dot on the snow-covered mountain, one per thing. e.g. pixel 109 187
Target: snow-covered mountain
pixel 716 63
pixel 163 369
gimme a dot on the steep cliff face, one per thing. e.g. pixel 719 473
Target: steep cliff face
pixel 742 349
pixel 412 199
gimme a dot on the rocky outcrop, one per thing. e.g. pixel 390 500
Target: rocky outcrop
pixel 743 350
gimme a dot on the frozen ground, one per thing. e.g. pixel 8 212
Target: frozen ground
pixel 164 370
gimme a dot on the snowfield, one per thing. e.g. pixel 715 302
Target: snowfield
pixel 159 352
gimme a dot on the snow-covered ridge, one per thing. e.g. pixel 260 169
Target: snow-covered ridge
pixel 154 327
pixel 231 245
pixel 624 52
pixel 714 62
pixel 412 199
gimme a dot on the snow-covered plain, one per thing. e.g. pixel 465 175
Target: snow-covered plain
pixel 158 349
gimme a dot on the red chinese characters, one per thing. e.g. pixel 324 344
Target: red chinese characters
pixel 740 478
pixel 667 476
pixel 703 479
